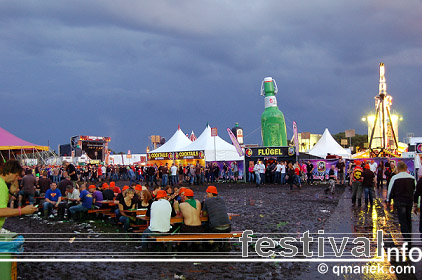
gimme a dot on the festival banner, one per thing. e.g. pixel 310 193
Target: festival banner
pixel 235 142
pixel 189 155
pixel 270 152
pixel 296 139
pixel 322 166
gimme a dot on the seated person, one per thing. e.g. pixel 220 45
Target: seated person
pixel 154 192
pixel 85 199
pixel 72 199
pixel 191 211
pixel 128 203
pixel 179 199
pixel 138 190
pixel 96 196
pixel 160 218
pixel 108 193
pixel 120 197
pixel 53 196
pixel 116 190
pixel 216 210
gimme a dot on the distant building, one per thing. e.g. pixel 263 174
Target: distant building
pixel 307 141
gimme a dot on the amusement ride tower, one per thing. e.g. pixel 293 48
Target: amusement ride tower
pixel 383 126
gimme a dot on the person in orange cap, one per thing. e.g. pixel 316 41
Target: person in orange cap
pixel 191 212
pixel 160 215
pixel 216 210
pixel 108 193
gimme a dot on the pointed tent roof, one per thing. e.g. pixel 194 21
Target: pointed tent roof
pixel 328 145
pixel 192 136
pixel 222 149
pixel 8 141
pixel 176 143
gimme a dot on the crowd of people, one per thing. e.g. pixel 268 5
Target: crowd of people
pixel 164 192
pixel 69 197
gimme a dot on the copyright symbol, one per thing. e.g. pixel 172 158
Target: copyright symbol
pixel 322 268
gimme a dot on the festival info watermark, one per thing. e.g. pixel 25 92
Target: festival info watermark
pixel 344 249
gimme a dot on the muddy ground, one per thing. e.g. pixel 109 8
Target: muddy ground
pixel 269 209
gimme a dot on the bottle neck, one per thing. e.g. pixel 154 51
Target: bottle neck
pixel 270 101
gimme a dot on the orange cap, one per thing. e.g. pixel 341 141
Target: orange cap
pixel 138 188
pixel 105 186
pixel 125 188
pixel 112 184
pixel 161 194
pixel 92 187
pixel 182 190
pixel 212 189
pixel 367 166
pixel 188 192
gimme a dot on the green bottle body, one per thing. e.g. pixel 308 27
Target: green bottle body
pixel 273 125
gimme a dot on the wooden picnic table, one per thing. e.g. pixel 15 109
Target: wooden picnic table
pixel 108 202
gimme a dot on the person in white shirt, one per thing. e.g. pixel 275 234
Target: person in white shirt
pixel 277 170
pixel 159 223
pixel 173 172
pixel 373 166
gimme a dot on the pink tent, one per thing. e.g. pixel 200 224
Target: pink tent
pixel 8 141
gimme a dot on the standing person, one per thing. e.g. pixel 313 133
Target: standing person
pixel 216 172
pixel 309 172
pixel 257 176
pixel 261 170
pixel 297 175
pixel 356 183
pixel 181 174
pixel 401 189
pixel 165 174
pixel 331 180
pixel 368 184
pixel 380 175
pixel 277 173
pixel 283 173
pixel 416 201
pixel 28 187
pixel 340 171
pixel 71 171
pixel 173 172
pixel 9 174
pixel 290 175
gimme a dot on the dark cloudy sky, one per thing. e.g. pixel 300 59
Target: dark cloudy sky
pixel 130 69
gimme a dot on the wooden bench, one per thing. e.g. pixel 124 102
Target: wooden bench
pixel 196 236
pixel 103 211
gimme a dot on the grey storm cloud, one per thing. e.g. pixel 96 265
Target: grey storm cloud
pixel 130 69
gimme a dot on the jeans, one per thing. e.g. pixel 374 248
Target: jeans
pixel 173 180
pixel 258 178
pixel 356 191
pixel 47 206
pixel 56 179
pixel 404 213
pixel 192 179
pixel 282 178
pixel 369 192
pixel 310 178
pixel 77 208
pixel 297 180
pixel 262 179
pixel 30 196
pixel 126 222
pixel 165 180
pixel 277 177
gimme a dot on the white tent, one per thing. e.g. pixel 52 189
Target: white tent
pixel 327 145
pixel 215 148
pixel 176 143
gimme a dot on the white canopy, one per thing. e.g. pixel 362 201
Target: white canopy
pixel 220 151
pixel 176 143
pixel 327 145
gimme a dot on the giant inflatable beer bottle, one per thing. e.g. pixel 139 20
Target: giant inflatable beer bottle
pixel 273 126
